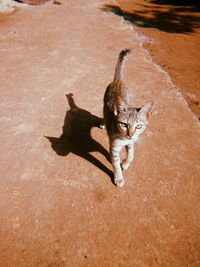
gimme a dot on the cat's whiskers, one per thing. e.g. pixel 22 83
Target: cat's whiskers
pixel 140 139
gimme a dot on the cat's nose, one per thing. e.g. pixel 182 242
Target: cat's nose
pixel 130 134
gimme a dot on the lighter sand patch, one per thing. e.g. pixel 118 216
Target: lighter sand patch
pixel 23 128
pixel 8 6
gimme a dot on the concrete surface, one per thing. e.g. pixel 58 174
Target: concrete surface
pixel 58 204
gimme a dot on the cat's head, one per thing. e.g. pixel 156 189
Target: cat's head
pixel 131 122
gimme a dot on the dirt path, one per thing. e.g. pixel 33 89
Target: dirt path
pixel 173 30
pixel 58 204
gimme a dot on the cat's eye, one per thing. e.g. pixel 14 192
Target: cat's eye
pixel 139 126
pixel 123 124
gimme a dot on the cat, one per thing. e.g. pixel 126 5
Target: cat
pixel 124 124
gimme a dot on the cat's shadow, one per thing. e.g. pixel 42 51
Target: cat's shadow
pixel 76 136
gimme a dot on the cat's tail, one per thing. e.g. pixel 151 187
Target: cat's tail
pixel 120 64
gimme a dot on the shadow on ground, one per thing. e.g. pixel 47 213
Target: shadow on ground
pixel 169 16
pixel 76 136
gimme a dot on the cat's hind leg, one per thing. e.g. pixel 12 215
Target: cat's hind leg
pixel 102 124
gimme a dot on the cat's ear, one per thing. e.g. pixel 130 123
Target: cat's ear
pixel 145 111
pixel 120 106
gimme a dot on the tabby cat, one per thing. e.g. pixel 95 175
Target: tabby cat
pixel 124 124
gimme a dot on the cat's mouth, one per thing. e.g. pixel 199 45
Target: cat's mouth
pixel 129 137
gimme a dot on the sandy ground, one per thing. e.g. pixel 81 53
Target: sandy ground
pixel 173 31
pixel 58 204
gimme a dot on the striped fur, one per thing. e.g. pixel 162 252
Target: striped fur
pixel 124 124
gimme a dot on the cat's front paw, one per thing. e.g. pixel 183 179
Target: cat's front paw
pixel 119 181
pixel 102 126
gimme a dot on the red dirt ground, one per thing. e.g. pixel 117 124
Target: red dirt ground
pixel 173 30
pixel 58 204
